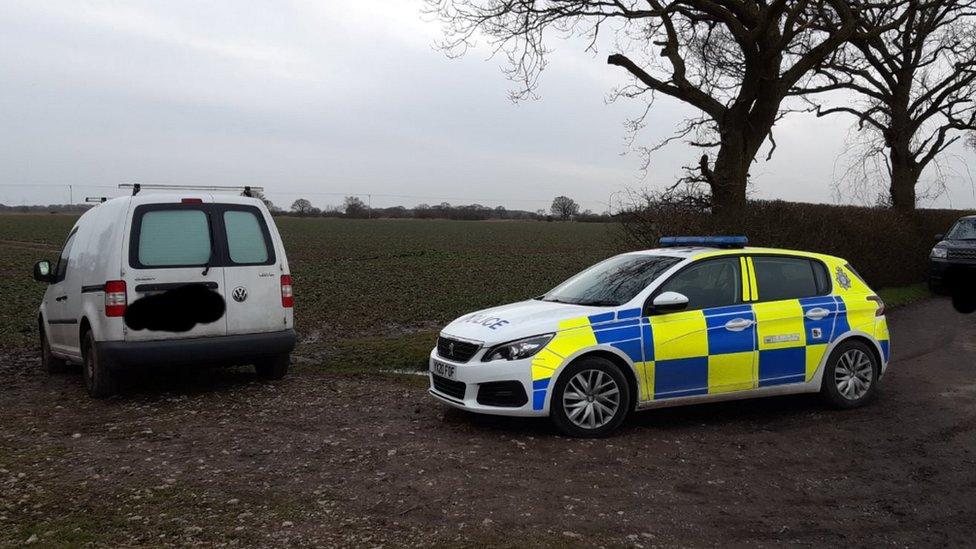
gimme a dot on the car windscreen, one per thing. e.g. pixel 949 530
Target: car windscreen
pixel 964 229
pixel 612 282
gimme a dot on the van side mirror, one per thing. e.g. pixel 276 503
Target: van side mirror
pixel 42 271
pixel 669 302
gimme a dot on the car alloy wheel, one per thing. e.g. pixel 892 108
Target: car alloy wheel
pixel 591 399
pixel 853 374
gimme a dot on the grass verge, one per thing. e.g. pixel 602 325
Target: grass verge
pixel 371 355
pixel 904 295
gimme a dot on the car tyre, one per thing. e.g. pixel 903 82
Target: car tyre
pixel 274 368
pixel 850 378
pixel 50 363
pixel 591 398
pixel 100 381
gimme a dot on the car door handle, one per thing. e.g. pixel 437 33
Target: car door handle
pixel 61 298
pixel 738 324
pixel 817 314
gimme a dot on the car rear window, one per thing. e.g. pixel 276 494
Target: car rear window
pixel 169 238
pixel 781 278
pixel 246 242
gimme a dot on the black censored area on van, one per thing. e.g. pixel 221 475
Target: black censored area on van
pixel 176 310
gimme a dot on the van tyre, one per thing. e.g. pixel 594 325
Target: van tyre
pixel 850 379
pixel 50 363
pixel 274 368
pixel 100 381
pixel 591 398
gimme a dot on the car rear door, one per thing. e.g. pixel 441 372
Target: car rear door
pixel 795 317
pixel 172 245
pixel 252 272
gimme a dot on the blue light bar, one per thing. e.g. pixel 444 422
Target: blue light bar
pixel 704 241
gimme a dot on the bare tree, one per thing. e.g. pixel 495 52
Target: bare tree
pixel 355 207
pixel 267 202
pixel 301 206
pixel 915 82
pixel 564 207
pixel 735 61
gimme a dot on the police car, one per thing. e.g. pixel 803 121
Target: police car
pixel 700 319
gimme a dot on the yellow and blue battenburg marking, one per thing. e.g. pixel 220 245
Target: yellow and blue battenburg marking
pixel 710 351
pixel 620 329
pixel 881 334
pixel 791 345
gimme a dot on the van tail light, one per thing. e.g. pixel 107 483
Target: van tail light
pixel 115 298
pixel 881 306
pixel 287 297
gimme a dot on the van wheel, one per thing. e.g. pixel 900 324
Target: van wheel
pixel 591 398
pixel 99 379
pixel 50 363
pixel 851 376
pixel 273 368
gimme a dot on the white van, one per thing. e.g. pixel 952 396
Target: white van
pixel 129 248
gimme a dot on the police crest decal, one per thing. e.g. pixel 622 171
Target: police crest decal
pixel 842 279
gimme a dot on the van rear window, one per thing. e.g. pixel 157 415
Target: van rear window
pixel 174 237
pixel 245 239
pixel 193 235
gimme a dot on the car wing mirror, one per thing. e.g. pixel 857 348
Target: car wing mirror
pixel 669 302
pixel 42 271
pixel 939 237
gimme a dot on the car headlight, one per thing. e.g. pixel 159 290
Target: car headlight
pixel 518 349
pixel 940 253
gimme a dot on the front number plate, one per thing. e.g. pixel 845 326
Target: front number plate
pixel 444 370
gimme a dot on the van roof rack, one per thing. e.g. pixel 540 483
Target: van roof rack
pixel 96 199
pixel 246 190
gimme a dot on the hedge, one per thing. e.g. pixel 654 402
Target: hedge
pixel 888 248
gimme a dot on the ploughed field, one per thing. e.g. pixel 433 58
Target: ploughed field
pixel 345 453
pixel 324 458
pixel 364 288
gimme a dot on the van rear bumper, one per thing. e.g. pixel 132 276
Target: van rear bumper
pixel 215 351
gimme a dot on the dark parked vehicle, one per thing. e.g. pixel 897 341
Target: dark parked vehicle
pixel 953 259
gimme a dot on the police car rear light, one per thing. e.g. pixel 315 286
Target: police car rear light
pixel 881 306
pixel 287 297
pixel 704 241
pixel 115 298
pixel 192 201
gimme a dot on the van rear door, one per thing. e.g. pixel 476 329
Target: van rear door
pixel 171 245
pixel 252 273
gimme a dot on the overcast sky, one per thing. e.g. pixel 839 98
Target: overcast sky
pixel 326 98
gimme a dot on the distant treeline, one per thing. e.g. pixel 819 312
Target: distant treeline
pixel 50 208
pixel 473 212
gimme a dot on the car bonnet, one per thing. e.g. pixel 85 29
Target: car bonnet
pixel 517 320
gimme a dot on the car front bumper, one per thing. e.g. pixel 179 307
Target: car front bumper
pixel 216 351
pixel 476 374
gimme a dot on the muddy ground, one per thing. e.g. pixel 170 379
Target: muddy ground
pixel 214 457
